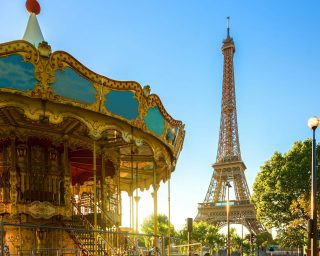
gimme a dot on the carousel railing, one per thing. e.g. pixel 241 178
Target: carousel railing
pixel 48 251
pixel 33 239
pixel 40 186
pixel 87 237
pixel 106 218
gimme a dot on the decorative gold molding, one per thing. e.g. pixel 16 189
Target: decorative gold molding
pixel 5 208
pixel 46 63
pixel 41 210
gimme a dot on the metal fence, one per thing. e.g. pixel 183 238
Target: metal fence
pixel 54 240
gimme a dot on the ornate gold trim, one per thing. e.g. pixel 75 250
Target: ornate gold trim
pixel 54 108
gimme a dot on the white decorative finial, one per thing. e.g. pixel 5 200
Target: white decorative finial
pixel 33 32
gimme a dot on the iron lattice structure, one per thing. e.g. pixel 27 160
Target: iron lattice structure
pixel 229 166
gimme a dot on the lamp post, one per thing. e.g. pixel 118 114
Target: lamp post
pixel 228 221
pixel 313 123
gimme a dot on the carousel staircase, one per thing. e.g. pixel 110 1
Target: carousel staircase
pixel 105 219
pixel 81 230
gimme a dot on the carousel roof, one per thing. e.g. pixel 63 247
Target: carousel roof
pixel 54 90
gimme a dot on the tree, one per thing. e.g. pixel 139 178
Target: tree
pixel 206 234
pixel 236 240
pixel 281 190
pixel 292 236
pixel 264 240
pixel 147 228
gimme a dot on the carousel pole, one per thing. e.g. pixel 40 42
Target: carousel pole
pixel 130 209
pixel 103 178
pixel 132 212
pixel 67 174
pixel 119 205
pixel 95 196
pixel 132 190
pixel 132 178
pixel 169 217
pixel 155 211
pixel 119 195
pixel 13 173
pixel 137 198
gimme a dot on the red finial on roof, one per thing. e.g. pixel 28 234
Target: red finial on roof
pixel 33 6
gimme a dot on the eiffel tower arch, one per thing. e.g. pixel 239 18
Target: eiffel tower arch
pixel 228 170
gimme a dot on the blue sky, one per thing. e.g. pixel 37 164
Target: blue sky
pixel 175 47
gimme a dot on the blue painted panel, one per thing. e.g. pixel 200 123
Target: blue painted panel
pixel 172 135
pixel 69 84
pixel 16 74
pixel 154 121
pixel 122 104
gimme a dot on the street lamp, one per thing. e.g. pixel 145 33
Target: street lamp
pixel 242 234
pixel 313 123
pixel 228 221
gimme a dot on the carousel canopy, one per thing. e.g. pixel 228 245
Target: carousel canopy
pixel 52 94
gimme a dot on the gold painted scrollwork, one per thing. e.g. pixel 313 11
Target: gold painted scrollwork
pixel 27 50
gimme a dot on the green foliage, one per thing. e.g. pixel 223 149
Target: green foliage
pixel 292 236
pixel 236 240
pixel 281 190
pixel 264 240
pixel 147 228
pixel 204 233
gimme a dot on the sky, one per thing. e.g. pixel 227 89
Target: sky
pixel 175 47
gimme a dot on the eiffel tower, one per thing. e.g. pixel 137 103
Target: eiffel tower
pixel 229 167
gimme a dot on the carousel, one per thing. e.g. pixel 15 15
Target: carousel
pixel 71 142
